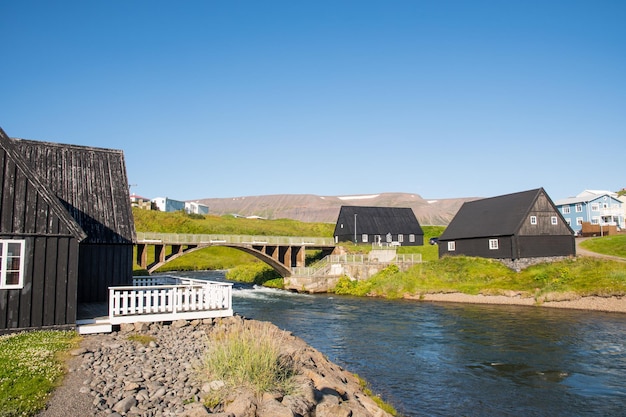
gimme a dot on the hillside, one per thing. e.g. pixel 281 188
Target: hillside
pixel 314 208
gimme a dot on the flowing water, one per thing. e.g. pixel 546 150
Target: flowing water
pixel 446 359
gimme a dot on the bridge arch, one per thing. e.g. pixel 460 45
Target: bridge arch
pixel 280 253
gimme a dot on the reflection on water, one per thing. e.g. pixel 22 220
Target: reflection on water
pixel 431 359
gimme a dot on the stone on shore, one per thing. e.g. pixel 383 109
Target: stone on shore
pixel 162 377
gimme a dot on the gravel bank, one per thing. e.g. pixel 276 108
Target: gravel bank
pixel 556 300
pixel 113 375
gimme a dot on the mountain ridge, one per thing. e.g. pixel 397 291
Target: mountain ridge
pixel 316 208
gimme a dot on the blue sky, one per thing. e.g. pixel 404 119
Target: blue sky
pixel 239 98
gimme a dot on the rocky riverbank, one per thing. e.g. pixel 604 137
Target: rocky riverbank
pixel 154 370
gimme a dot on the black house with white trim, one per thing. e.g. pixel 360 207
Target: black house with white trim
pixel 66 230
pixel 396 226
pixel 514 226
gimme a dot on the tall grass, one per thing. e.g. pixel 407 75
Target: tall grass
pixel 243 356
pixel 30 367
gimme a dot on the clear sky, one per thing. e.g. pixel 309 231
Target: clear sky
pixel 239 98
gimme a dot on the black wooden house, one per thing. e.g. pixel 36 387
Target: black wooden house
pixel 378 225
pixel 66 230
pixel 510 227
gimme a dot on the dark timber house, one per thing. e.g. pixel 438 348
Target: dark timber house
pixel 390 225
pixel 66 230
pixel 509 227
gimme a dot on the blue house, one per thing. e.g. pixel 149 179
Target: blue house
pixel 596 207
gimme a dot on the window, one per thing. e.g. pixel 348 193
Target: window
pixel 579 221
pixel 411 238
pixel 533 219
pixel 451 247
pixel 569 222
pixel 493 244
pixel 400 238
pixel 566 210
pixel 595 207
pixel 12 263
pixel 595 220
pixel 364 238
pixel 579 208
pixel 554 220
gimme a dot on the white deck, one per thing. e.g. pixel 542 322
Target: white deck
pixel 162 298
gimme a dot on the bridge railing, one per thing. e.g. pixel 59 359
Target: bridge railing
pixel 325 265
pixel 195 239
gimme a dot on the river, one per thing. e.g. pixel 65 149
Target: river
pixel 448 359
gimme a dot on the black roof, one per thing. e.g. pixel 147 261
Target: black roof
pixel 89 182
pixel 379 220
pixel 38 184
pixel 496 216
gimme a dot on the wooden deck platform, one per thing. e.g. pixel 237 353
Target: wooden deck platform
pixel 154 299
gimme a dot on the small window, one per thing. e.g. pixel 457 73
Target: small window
pixel 493 244
pixel 12 263
pixel 579 208
pixel 579 221
pixel 595 207
pixel 595 220
pixel 400 238
pixel 364 238
pixel 554 220
pixel 569 222
pixel 451 246
pixel 411 238
pixel 533 219
pixel 566 210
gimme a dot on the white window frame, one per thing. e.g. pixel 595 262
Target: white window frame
pixel 4 263
pixel 579 208
pixel 411 238
pixel 595 206
pixel 533 220
pixel 451 246
pixel 579 221
pixel 493 244
pixel 595 220
pixel 401 238
pixel 566 210
pixel 554 220
pixel 364 238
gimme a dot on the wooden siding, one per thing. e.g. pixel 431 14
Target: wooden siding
pixel 479 247
pixel 101 267
pixel 544 246
pixel 544 210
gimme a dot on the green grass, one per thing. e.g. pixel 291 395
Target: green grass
pixel 30 367
pixel 607 245
pixel 243 356
pixel 180 222
pixel 584 276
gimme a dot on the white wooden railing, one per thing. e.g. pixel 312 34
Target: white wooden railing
pixel 168 298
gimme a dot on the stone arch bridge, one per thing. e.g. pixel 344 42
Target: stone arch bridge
pixel 280 252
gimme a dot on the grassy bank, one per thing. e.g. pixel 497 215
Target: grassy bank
pixel 31 365
pixel 584 276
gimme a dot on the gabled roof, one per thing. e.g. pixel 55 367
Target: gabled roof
pixel 89 182
pixel 586 197
pixel 38 184
pixel 379 220
pixel 495 216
